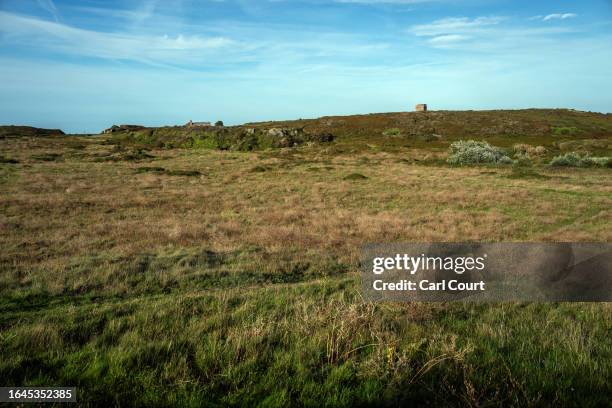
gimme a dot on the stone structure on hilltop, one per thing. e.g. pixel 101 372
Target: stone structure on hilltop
pixel 197 124
pixel 421 107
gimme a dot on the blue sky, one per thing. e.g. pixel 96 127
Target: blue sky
pixel 85 65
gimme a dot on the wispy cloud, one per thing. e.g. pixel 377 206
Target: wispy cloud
pixel 454 25
pixel 559 16
pixel 33 32
pixel 554 16
pixel 227 47
pixel 444 40
pixel 489 33
pixel 132 15
pixel 49 6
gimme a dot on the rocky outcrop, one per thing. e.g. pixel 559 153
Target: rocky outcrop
pixel 123 128
pixel 240 138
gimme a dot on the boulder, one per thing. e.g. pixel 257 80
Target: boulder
pixel 275 132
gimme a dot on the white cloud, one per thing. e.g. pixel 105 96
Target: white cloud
pixel 30 31
pixel 554 16
pixel 454 25
pixel 449 39
pixel 487 34
pixel 220 47
pixel 560 16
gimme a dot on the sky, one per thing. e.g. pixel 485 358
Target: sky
pixel 83 66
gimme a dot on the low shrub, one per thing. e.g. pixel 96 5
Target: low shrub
pixel 575 159
pixel 355 176
pixel 392 132
pixel 529 150
pixel 564 130
pixel 522 160
pixel 474 152
pixel 601 161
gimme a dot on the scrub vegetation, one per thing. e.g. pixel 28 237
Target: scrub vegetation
pixel 196 276
pixel 473 152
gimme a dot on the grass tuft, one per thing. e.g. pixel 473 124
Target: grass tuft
pixel 355 176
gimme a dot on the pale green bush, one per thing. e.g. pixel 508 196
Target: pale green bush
pixel 575 159
pixel 474 152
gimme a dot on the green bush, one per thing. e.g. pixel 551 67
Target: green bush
pixel 571 159
pixel 392 132
pixel 564 130
pixel 601 161
pixel 575 159
pixel 522 160
pixel 473 152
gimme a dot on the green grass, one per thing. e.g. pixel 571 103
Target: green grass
pixel 306 343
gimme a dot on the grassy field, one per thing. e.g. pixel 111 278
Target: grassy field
pixel 209 278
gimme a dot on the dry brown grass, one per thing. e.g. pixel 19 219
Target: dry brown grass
pixel 54 212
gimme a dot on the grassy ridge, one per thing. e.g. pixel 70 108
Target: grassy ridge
pixel 553 128
pixel 202 277
pixel 557 130
pixel 27 131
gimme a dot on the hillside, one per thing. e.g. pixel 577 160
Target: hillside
pixel 29 131
pixel 459 124
pixel 556 129
pixel 553 128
